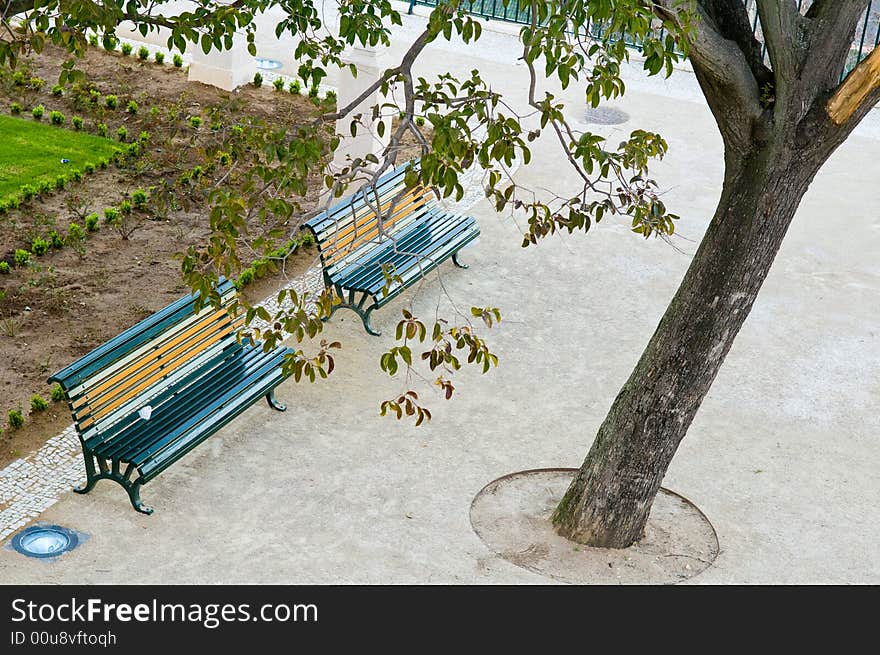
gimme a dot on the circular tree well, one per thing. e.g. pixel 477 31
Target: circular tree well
pixel 512 516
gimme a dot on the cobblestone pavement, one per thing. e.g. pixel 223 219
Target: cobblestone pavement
pixel 34 483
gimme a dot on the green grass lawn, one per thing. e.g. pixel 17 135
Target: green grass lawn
pixel 31 152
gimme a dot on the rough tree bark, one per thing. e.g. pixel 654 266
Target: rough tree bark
pixel 772 154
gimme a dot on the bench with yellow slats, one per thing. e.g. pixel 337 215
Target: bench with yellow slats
pixel 150 395
pixel 416 236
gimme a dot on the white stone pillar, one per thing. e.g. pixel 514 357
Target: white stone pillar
pixel 370 64
pixel 226 69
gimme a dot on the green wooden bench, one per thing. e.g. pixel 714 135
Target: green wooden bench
pixel 416 237
pixel 153 393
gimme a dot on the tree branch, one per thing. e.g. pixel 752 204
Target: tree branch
pixel 859 86
pixel 723 71
pixel 831 29
pixel 782 25
pixel 12 8
pixel 732 21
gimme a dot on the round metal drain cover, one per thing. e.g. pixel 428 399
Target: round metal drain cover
pixel 45 541
pixel 268 64
pixel 606 116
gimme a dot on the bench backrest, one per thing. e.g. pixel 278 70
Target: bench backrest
pixel 122 375
pixel 351 227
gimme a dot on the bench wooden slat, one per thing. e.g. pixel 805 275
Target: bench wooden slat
pixel 391 182
pixel 177 392
pixel 183 405
pixel 443 235
pixel 345 246
pixel 195 425
pixel 135 369
pixel 129 340
pixel 101 407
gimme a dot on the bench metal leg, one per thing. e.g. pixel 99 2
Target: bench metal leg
pixel 124 479
pixel 457 262
pixel 358 308
pixel 273 403
pixel 91 477
pixel 134 495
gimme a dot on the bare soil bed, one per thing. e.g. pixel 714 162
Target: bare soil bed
pixel 75 298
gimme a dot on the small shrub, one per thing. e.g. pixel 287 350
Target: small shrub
pixel 139 198
pixel 60 182
pixel 57 393
pixel 38 111
pixel 15 418
pixel 247 276
pixel 36 83
pixel 44 188
pixel 237 130
pixel 278 83
pixel 295 87
pixel 93 40
pixel 420 121
pixel 18 78
pixel 258 80
pixel 154 112
pixel 131 107
pixel 57 90
pixel 38 403
pixel 56 240
pixel 39 246
pixel 76 175
pixel 313 92
pixel 143 53
pixel 125 207
pixel 196 172
pixel 133 149
pixel 144 137
pixel 89 168
pixel 224 158
pixel 15 109
pixel 27 192
pixel 22 257
pixel 92 222
pixel 159 57
pixel 109 42
pixel 195 122
pixel 122 134
pixel 177 60
pixel 101 129
pixel 111 215
pixel 77 122
pixel 56 118
pixel 331 97
pixel 216 125
pixel 103 163
pixel 75 233
pixel 126 49
pixel 111 102
pixel 5 268
pixel 94 96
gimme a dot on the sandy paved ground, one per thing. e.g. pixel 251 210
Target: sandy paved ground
pixel 782 457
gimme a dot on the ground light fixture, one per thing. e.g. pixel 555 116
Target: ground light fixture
pixel 44 541
pixel 268 64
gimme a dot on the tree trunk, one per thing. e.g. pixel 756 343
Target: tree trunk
pixel 609 501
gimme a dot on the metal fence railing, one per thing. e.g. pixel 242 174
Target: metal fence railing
pixel 867 36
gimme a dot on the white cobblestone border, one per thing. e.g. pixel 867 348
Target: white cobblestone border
pixel 30 485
